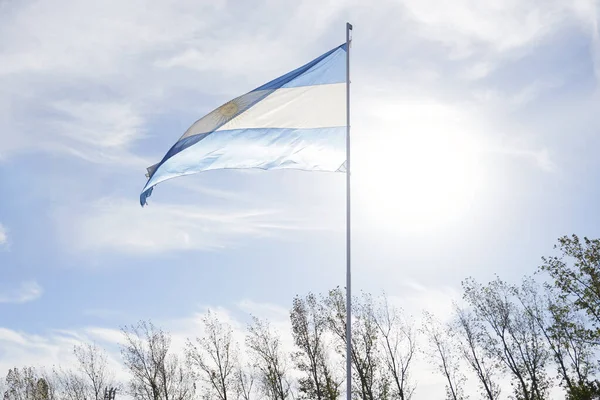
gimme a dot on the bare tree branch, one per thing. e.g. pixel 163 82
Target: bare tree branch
pixel 155 374
pixel 269 360
pixel 398 341
pixel 215 357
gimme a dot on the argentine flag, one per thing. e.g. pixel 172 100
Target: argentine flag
pixel 297 121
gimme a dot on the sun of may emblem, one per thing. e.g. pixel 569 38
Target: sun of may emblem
pixel 228 109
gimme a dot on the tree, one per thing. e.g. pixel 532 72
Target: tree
pixel 42 390
pixel 443 355
pixel 576 275
pixel 269 360
pixel 70 385
pixel 215 356
pixel 366 351
pixel 26 384
pixel 91 377
pixel 575 309
pixel 244 383
pixel 399 347
pixel 309 326
pixel 572 351
pixel 93 365
pixel 512 336
pixel 471 343
pixel 370 379
pixel 155 373
pixel 564 329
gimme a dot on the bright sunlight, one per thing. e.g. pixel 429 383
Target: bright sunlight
pixel 418 171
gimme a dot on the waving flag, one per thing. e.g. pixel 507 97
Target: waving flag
pixel 297 121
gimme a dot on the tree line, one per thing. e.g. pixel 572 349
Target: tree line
pixel 535 335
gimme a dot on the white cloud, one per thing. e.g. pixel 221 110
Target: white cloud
pixel 264 310
pixel 107 335
pixel 541 158
pixel 101 125
pixel 7 335
pixel 86 50
pixel 104 313
pixel 588 12
pixel 171 45
pixel 122 225
pixel 55 348
pixel 24 293
pixel 3 235
pixel 496 25
pixel 415 298
pixel 97 132
pixel 478 71
pixel 532 91
pixel 105 85
pixel 523 96
pixel 87 38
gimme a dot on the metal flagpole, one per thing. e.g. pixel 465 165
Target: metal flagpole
pixel 348 236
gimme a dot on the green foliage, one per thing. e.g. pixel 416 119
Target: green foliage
pixel 512 336
pixel 584 391
pixel 25 384
pixel 576 275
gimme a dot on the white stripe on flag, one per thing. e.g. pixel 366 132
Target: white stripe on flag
pixel 305 107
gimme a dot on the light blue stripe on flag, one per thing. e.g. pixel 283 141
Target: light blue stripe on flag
pixel 296 121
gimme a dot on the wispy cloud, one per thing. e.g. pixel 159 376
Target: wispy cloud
pixel 416 297
pixel 588 12
pixel 100 132
pixel 104 313
pixel 24 293
pixel 100 125
pixel 105 85
pixel 540 158
pixel 122 225
pixel 53 348
pixel 478 71
pixel 92 46
pixel 264 310
pixel 3 235
pixel 497 25
pixel 595 34
pixel 163 63
pixel 77 64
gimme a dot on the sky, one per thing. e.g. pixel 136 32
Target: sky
pixel 474 147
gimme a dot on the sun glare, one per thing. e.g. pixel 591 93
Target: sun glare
pixel 417 172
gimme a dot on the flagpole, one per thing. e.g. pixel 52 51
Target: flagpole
pixel 348 235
